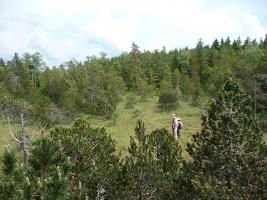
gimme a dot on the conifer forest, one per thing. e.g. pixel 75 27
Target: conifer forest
pixel 133 100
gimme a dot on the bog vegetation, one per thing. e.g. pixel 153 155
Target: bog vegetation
pixel 226 158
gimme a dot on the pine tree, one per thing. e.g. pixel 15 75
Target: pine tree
pixel 227 42
pixel 92 154
pixel 133 70
pixel 222 42
pixel 199 63
pixel 17 64
pixel 2 63
pixel 216 44
pixel 12 178
pixel 139 175
pixel 237 44
pixel 154 167
pixel 43 178
pixel 143 89
pixel 213 57
pixel 228 159
pixel 247 43
pixel 9 161
pixel 168 100
pixel 173 180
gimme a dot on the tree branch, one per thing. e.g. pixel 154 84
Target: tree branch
pixel 11 133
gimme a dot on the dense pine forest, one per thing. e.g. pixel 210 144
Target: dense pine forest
pixel 53 95
pixel 74 160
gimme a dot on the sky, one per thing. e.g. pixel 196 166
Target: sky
pixel 62 30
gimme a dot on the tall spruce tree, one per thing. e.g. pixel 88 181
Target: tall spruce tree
pixel 228 154
pixel 216 44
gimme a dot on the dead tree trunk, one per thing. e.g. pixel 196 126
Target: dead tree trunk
pixel 22 141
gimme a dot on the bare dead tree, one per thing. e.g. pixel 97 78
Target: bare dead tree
pixel 22 141
pixel 10 131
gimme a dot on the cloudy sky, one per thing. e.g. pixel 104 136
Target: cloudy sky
pixel 65 29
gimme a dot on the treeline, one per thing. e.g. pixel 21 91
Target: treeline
pixel 228 160
pixel 96 85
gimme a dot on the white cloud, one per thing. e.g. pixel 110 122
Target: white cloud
pixel 117 32
pixel 66 29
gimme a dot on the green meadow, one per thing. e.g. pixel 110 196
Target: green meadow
pixel 121 125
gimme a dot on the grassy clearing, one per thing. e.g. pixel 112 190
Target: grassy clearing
pixel 265 137
pixel 5 137
pixel 122 125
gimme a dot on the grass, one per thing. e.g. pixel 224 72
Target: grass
pixel 122 126
pixel 265 137
pixel 5 137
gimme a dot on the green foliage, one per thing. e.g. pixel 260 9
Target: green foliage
pixel 12 185
pixel 187 87
pixel 180 60
pixel 199 62
pixel 176 78
pixel 261 78
pixel 96 85
pixel 143 89
pixel 103 90
pixel 221 167
pixel 216 77
pixel 167 101
pixel 92 153
pixel 9 161
pixel 153 169
pixel 196 99
pixel 12 106
pixel 131 101
pixel 42 112
pixel 168 97
pixel 133 70
pixel 228 158
pixel 175 182
pixel 34 61
pixel 43 177
pixel 53 84
pixel 55 187
pixel 46 157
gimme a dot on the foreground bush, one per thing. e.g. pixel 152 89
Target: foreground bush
pixel 229 155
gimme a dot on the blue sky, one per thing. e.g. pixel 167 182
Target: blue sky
pixel 65 29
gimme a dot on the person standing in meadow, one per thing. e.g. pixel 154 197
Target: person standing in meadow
pixel 174 125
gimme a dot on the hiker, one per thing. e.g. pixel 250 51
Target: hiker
pixel 179 126
pixel 174 125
